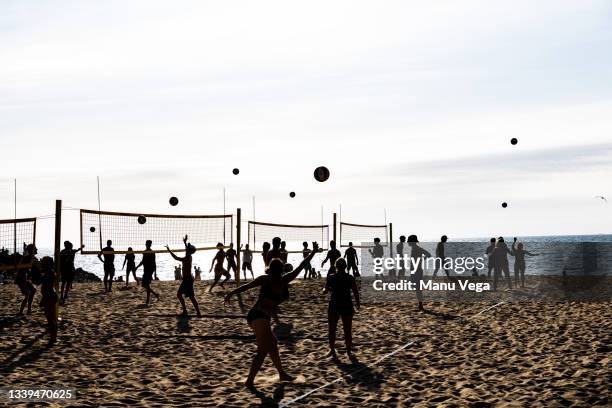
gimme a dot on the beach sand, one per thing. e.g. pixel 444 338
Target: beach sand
pixel 113 350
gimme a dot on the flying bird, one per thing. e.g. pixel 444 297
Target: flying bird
pixel 602 197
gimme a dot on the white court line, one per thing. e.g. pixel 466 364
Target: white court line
pixel 296 399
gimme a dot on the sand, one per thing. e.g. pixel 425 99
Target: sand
pixel 115 351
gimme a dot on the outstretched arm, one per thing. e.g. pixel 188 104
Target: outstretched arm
pixel 173 255
pixel 288 277
pixel 253 284
pixel 531 253
pixel 325 260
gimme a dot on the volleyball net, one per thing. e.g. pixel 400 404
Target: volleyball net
pixel 362 235
pixel 133 230
pixel 293 235
pixel 16 233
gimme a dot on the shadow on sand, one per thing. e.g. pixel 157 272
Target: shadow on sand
pixel 30 354
pixel 270 401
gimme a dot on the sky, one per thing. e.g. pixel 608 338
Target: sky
pixel 411 105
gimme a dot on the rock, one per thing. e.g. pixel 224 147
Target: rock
pixel 84 276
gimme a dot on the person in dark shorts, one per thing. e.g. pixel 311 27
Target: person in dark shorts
pixel 519 253
pixel 28 268
pixel 67 270
pixel 230 255
pixel 332 256
pixel 284 254
pixel 130 261
pixel 148 269
pixel 499 257
pixel 275 251
pixel 352 262
pixel 217 264
pixel 308 271
pixel 49 296
pixel 247 261
pixel 489 253
pixel 265 248
pixel 377 252
pixel 273 290
pixel 440 257
pixel 340 284
pixel 186 288
pixel 399 248
pixel 109 265
pixel 417 254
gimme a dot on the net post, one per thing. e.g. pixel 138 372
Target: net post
pixel 334 230
pixel 238 250
pixel 391 240
pixel 56 252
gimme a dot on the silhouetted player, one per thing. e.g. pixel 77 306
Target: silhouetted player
pixel 308 270
pixel 284 254
pixel 400 252
pixel 149 267
pixel 352 261
pixel 340 284
pixel 332 256
pixel 247 261
pixel 217 264
pixel 441 259
pixel 275 251
pixel 67 270
pixel 500 262
pixel 109 265
pixel 130 261
pixel 273 290
pixel 265 248
pixel 186 288
pixel 417 253
pixel 49 296
pixel 519 262
pixel 28 268
pixel 488 252
pixel 230 254
pixel 377 252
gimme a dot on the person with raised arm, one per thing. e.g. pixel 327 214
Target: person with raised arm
pixel 186 288
pixel 67 270
pixel 519 262
pixel 273 290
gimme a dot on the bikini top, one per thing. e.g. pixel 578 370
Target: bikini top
pixel 266 291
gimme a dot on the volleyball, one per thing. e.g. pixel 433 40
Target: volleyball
pixel 321 174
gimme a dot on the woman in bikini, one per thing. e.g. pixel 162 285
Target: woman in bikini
pixel 273 290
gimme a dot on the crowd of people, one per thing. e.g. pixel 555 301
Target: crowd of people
pixel 273 285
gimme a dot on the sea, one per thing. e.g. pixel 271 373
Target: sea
pixel 557 255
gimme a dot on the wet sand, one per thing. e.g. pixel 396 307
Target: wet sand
pixel 114 350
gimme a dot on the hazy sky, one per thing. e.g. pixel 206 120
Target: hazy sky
pixel 411 105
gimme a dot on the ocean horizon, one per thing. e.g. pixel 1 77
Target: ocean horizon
pixel 557 252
